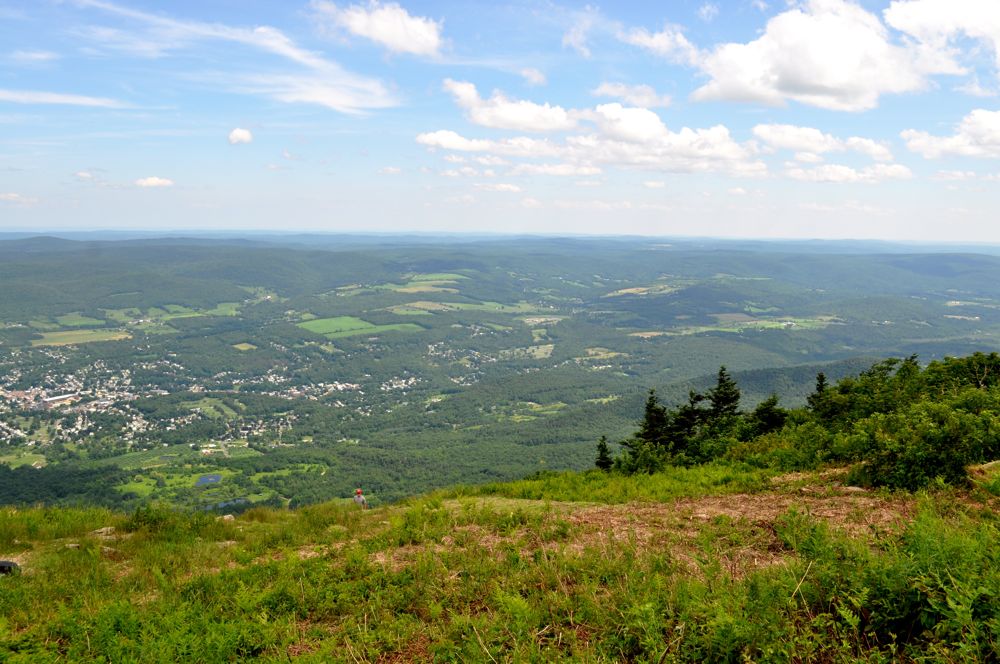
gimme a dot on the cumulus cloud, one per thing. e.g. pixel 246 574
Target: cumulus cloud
pixel 238 135
pixel 532 76
pixel 531 202
pixel 500 187
pixel 500 112
pixel 390 170
pixel 636 95
pixel 809 142
pixel 654 184
pixel 669 43
pixel 837 173
pixel 555 169
pixel 827 53
pixel 954 176
pixel 939 24
pixel 17 199
pixel 153 181
pixel 646 146
pixel 388 24
pixel 977 135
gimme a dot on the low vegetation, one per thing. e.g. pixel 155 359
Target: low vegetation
pixel 714 563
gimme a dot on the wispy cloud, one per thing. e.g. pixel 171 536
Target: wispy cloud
pixel 33 57
pixel 59 98
pixel 322 81
pixel 17 199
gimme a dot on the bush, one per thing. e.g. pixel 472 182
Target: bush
pixel 909 449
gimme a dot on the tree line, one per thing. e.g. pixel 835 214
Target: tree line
pixel 897 424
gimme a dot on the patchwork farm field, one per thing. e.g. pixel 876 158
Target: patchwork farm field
pixel 349 326
pixel 72 337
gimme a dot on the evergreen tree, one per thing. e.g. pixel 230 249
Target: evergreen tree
pixel 765 418
pixel 684 424
pixel 815 399
pixel 654 421
pixel 604 461
pixel 724 397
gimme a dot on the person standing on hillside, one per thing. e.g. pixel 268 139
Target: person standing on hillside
pixel 359 499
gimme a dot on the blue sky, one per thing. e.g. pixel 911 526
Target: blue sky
pixel 733 118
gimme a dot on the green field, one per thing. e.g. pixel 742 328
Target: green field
pixel 70 337
pixel 22 459
pixel 348 326
pixel 244 346
pixel 78 320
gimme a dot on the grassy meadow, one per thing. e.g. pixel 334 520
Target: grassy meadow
pixel 717 563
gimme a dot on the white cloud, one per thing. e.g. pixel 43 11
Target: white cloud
pixel 17 199
pixel 759 5
pixel 57 98
pixel 837 173
pixel 533 76
pixel 33 57
pixel 390 170
pixel 669 43
pixel 939 24
pixel 238 135
pixel 321 82
pixel 84 175
pixel 465 171
pixel 954 176
pixel 531 202
pixel 577 35
pixel 708 11
pixel 809 142
pixel 654 184
pixel 555 169
pixel 636 95
pixel 503 113
pixel 738 191
pixel 977 135
pixel 499 187
pixel 827 53
pixel 386 24
pixel 154 181
pixel 808 157
pixel 629 124
pixel 491 160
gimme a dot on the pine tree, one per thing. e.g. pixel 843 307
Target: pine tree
pixel 816 398
pixel 724 397
pixel 604 461
pixel 654 420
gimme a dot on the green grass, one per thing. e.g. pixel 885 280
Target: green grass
pixel 22 459
pixel 477 577
pixel 213 408
pixel 78 320
pixel 71 337
pixel 595 486
pixel 349 326
pixel 336 325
